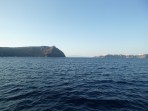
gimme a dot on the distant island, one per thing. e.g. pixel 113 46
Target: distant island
pixel 33 51
pixel 123 56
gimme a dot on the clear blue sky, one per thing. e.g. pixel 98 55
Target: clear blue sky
pixel 77 27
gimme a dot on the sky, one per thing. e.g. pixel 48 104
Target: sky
pixel 78 27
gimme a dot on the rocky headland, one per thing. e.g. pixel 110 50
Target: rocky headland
pixel 33 51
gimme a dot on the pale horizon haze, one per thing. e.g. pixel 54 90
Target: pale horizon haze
pixel 83 28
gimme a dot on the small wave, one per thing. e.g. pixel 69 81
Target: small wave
pixel 24 95
pixel 14 90
pixel 96 103
pixel 23 105
pixel 125 82
pixel 104 81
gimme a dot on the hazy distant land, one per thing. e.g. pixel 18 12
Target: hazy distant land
pixel 34 51
pixel 123 56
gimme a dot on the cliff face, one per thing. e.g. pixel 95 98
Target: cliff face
pixel 42 51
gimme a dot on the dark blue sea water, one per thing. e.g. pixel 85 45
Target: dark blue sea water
pixel 73 84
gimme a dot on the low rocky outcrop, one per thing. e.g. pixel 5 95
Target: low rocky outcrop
pixel 36 51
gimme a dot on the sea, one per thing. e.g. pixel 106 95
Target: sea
pixel 73 84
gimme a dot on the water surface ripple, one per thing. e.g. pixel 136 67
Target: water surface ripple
pixel 73 84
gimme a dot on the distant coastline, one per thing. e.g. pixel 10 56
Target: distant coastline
pixel 142 56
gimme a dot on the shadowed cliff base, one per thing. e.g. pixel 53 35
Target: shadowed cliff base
pixel 33 51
